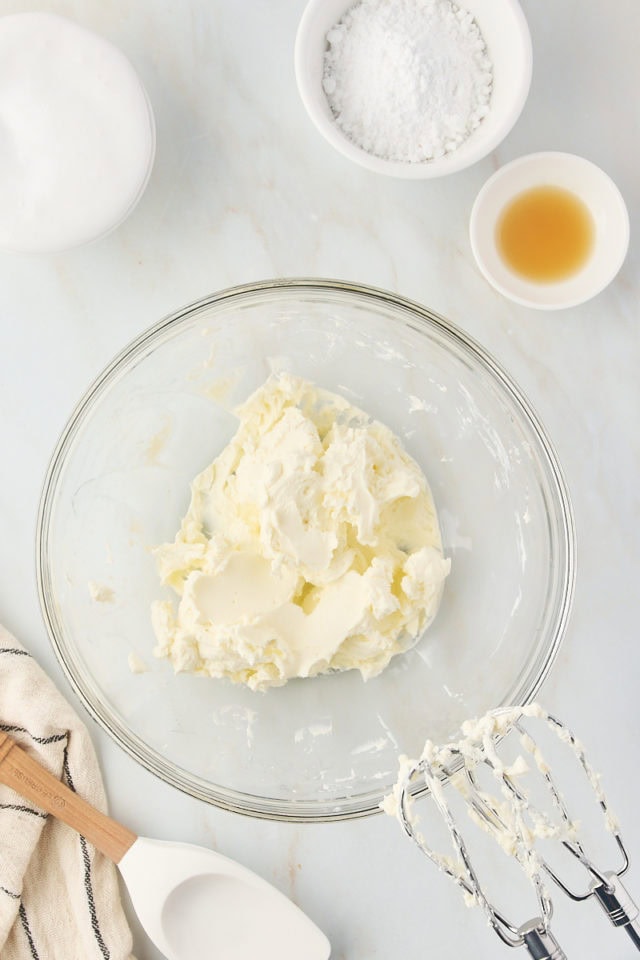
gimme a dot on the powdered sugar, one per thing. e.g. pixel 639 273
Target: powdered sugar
pixel 407 80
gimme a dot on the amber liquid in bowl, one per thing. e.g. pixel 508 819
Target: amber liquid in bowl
pixel 545 234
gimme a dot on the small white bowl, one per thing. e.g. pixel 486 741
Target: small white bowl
pixel 506 34
pixel 586 181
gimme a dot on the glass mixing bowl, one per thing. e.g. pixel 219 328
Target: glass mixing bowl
pixel 118 484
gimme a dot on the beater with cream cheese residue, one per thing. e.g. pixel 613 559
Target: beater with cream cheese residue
pixel 511 813
pixel 311 544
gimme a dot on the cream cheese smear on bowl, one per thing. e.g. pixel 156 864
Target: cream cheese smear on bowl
pixel 311 544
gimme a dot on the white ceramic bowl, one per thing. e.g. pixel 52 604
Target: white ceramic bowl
pixel 599 194
pixel 78 135
pixel 326 747
pixel 506 34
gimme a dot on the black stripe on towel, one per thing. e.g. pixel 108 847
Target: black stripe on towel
pixel 25 926
pixel 21 809
pixel 10 893
pixel 55 738
pixel 88 886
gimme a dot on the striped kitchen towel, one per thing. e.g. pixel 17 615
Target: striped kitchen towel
pixel 59 897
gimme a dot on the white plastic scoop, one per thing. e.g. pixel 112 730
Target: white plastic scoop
pixel 192 902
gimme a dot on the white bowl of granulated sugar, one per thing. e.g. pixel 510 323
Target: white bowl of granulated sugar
pixel 413 88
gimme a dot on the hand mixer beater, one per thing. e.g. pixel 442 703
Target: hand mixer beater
pixel 512 818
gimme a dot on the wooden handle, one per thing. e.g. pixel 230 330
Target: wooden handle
pixel 28 778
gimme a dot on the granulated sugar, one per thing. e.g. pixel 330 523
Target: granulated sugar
pixel 407 80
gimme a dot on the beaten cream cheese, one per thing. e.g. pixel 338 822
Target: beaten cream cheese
pixel 310 544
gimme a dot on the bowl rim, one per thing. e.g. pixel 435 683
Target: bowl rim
pixel 432 169
pixel 224 797
pixel 484 211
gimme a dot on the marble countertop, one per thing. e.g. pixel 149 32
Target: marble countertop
pixel 245 189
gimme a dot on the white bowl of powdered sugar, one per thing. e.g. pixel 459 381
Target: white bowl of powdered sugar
pixel 413 88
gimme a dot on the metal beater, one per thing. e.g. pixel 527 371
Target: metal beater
pixel 514 819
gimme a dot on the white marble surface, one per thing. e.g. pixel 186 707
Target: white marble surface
pixel 244 189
